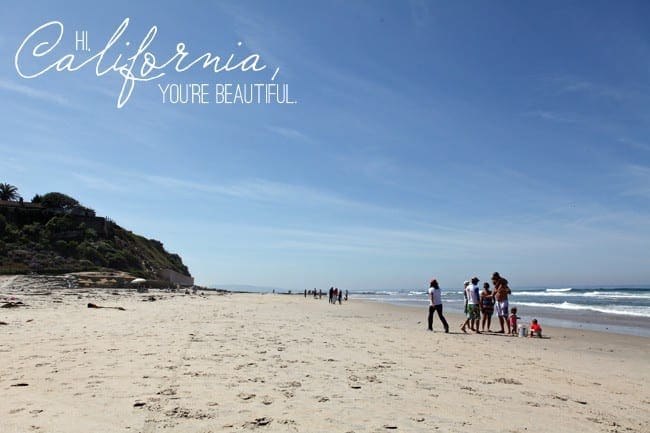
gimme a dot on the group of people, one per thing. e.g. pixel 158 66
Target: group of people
pixel 334 294
pixel 481 303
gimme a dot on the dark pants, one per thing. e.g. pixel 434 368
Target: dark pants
pixel 437 308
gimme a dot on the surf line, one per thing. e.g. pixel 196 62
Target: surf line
pixel 149 66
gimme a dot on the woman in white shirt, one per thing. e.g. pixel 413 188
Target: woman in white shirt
pixel 435 304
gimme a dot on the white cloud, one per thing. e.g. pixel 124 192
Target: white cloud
pixel 292 134
pixel 552 116
pixel 572 84
pixel 634 143
pixel 98 183
pixel 33 93
pixel 265 190
pixel 638 177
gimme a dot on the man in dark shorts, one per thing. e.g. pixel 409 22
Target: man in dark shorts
pixel 487 307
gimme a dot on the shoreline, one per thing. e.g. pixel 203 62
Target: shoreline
pixel 587 320
pixel 548 316
pixel 455 319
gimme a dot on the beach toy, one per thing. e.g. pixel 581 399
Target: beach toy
pixel 522 331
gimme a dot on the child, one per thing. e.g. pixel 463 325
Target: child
pixel 535 329
pixel 513 321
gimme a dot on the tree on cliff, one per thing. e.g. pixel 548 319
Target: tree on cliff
pixel 58 200
pixel 8 192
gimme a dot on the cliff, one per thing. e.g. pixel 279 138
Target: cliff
pixel 54 234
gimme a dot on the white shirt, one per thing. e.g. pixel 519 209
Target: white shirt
pixel 435 296
pixel 471 291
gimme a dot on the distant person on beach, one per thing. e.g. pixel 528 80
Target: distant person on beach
pixel 340 295
pixel 487 307
pixel 512 321
pixel 320 293
pixel 331 294
pixel 501 292
pixel 346 295
pixel 305 293
pixel 472 298
pixel 435 305
pixel 314 293
pixel 535 329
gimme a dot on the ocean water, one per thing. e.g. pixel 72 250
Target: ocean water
pixel 605 308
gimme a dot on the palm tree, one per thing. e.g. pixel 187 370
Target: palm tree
pixel 8 192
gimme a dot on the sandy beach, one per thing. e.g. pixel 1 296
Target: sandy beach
pixel 239 362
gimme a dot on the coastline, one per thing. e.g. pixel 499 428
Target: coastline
pixel 236 362
pixel 418 313
pixel 560 318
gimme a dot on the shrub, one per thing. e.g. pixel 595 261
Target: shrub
pixel 33 231
pixel 59 224
pixel 64 247
pixel 117 260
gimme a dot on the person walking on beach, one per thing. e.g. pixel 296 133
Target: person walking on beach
pixel 346 295
pixel 501 292
pixel 487 307
pixel 331 294
pixel 340 296
pixel 435 305
pixel 305 293
pixel 472 298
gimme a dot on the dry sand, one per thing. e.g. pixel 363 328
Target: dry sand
pixel 276 363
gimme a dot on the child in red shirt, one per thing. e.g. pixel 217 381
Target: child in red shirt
pixel 535 329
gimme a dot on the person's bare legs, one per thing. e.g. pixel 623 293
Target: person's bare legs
pixel 501 319
pixel 464 325
pixel 489 322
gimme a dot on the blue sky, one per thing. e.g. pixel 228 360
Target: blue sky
pixel 429 139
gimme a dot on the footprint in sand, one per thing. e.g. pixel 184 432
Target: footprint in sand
pixel 508 381
pixel 258 422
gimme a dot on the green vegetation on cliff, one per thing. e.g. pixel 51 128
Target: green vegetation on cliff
pixel 55 234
